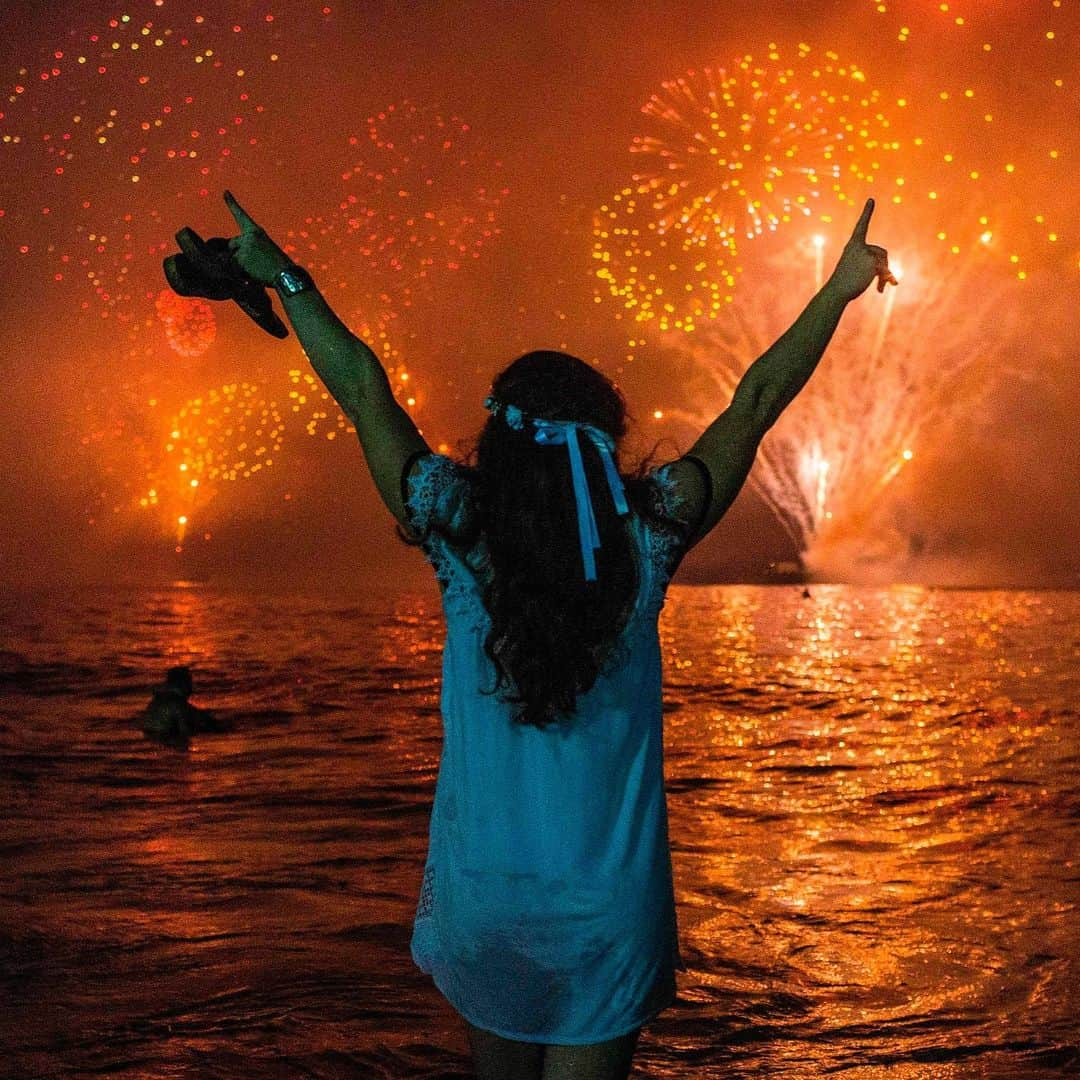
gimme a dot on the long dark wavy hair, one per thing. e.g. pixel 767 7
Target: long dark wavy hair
pixel 552 632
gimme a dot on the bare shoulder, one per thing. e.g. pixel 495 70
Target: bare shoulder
pixel 686 484
pixel 711 474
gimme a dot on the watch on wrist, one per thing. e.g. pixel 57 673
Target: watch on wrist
pixel 293 279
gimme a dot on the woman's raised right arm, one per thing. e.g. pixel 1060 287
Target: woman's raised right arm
pixel 778 375
pixel 729 444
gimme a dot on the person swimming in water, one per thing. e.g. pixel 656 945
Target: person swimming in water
pixel 170 717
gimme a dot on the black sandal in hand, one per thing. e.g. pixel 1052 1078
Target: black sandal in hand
pixel 206 268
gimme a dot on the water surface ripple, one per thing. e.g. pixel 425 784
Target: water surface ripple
pixel 873 812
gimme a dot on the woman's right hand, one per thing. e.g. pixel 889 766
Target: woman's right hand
pixel 861 262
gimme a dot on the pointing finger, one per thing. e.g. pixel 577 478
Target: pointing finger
pixel 859 232
pixel 242 219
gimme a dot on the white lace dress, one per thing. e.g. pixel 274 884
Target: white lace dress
pixel 547 909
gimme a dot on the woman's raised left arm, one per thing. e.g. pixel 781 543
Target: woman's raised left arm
pixel 344 363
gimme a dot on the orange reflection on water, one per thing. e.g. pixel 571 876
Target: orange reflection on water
pixel 851 813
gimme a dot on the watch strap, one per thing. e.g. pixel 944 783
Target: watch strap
pixel 292 279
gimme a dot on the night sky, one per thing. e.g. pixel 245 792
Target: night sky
pixel 639 184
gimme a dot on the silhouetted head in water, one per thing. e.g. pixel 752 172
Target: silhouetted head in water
pixel 179 679
pixel 170 717
pixel 552 631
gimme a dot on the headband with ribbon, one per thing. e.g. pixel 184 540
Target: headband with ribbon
pixel 555 433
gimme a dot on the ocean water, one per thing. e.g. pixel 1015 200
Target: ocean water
pixel 873 799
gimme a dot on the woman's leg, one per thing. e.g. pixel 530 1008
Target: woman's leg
pixel 496 1058
pixel 598 1061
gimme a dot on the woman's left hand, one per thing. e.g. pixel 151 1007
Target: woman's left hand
pixel 253 251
